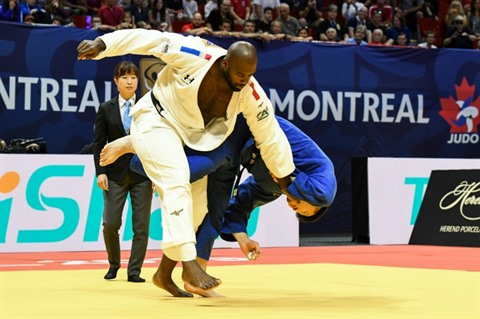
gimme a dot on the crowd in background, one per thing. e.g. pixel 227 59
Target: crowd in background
pixel 421 23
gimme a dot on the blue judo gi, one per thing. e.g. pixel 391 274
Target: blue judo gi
pixel 314 181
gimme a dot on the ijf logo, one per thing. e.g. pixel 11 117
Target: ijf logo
pixel 462 113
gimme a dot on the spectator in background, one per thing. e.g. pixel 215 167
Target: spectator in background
pixel 93 6
pixel 330 22
pixel 217 16
pixel 240 10
pixel 263 25
pixel 175 9
pixel 311 11
pixel 276 33
pixel 225 29
pixel 139 12
pixel 385 10
pixel 430 9
pixel 350 8
pixel 158 16
pixel 189 8
pixel 97 25
pixel 459 36
pixel 331 34
pixel 33 9
pixel 455 9
pixel 77 7
pixel 111 13
pixel 128 21
pixel 360 36
pixel 378 38
pixel 410 10
pixel 474 18
pixel 197 26
pixel 260 5
pixel 360 19
pixel 117 180
pixel 54 9
pixel 10 11
pixel 375 23
pixel 402 40
pixel 290 25
pixel 430 38
pixel 397 28
pixel 302 35
pixel 209 6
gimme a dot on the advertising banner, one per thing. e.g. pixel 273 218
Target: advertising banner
pixel 450 211
pixel 354 101
pixel 396 187
pixel 52 203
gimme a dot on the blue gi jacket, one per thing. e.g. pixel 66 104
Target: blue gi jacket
pixel 314 181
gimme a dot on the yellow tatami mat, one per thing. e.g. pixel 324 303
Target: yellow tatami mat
pixel 253 291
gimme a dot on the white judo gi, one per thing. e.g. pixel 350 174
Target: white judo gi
pixel 159 139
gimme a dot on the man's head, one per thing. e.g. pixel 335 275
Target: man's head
pixel 197 20
pixel 284 9
pixel 249 26
pixel 304 211
pixel 239 64
pixel 268 13
pixel 430 37
pixel 332 12
pixel 402 39
pixel 377 35
pixel 331 34
pixel 459 21
pixel 126 75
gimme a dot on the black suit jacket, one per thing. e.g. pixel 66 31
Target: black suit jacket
pixel 109 127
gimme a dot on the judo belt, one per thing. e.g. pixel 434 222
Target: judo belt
pixel 248 165
pixel 157 104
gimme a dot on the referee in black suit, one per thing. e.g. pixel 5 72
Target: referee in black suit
pixel 117 180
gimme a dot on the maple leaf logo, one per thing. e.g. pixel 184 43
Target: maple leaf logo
pixel 463 112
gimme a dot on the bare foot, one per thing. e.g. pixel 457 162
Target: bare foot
pixel 115 149
pixel 168 285
pixel 196 277
pixel 207 293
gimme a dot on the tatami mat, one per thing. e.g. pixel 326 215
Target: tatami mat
pixel 315 290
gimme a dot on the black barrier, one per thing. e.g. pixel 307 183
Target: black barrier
pixel 450 210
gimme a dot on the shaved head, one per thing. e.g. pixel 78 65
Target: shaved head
pixel 239 64
pixel 242 50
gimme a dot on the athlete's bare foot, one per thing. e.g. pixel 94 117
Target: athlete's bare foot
pixel 195 276
pixel 163 278
pixel 207 293
pixel 115 149
pixel 168 285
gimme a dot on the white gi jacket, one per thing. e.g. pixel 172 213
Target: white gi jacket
pixel 188 59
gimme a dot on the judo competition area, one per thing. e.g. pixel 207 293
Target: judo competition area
pixel 341 281
pixel 49 272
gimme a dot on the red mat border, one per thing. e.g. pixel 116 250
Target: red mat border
pixel 408 256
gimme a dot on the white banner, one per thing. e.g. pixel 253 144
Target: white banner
pixel 395 191
pixel 52 203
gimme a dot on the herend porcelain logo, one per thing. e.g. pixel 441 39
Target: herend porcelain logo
pixel 462 113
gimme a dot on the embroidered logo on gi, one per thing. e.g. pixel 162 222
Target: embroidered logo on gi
pixel 263 114
pixel 187 80
pixel 177 212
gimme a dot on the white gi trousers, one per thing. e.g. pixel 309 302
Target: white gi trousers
pixel 184 205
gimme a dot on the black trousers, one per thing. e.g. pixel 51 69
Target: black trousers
pixel 114 202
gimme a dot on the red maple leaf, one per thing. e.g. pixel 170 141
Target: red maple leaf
pixel 450 108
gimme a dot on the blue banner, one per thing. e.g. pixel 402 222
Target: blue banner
pixel 353 101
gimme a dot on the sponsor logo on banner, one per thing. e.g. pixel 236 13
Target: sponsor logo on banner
pixel 450 211
pixel 462 113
